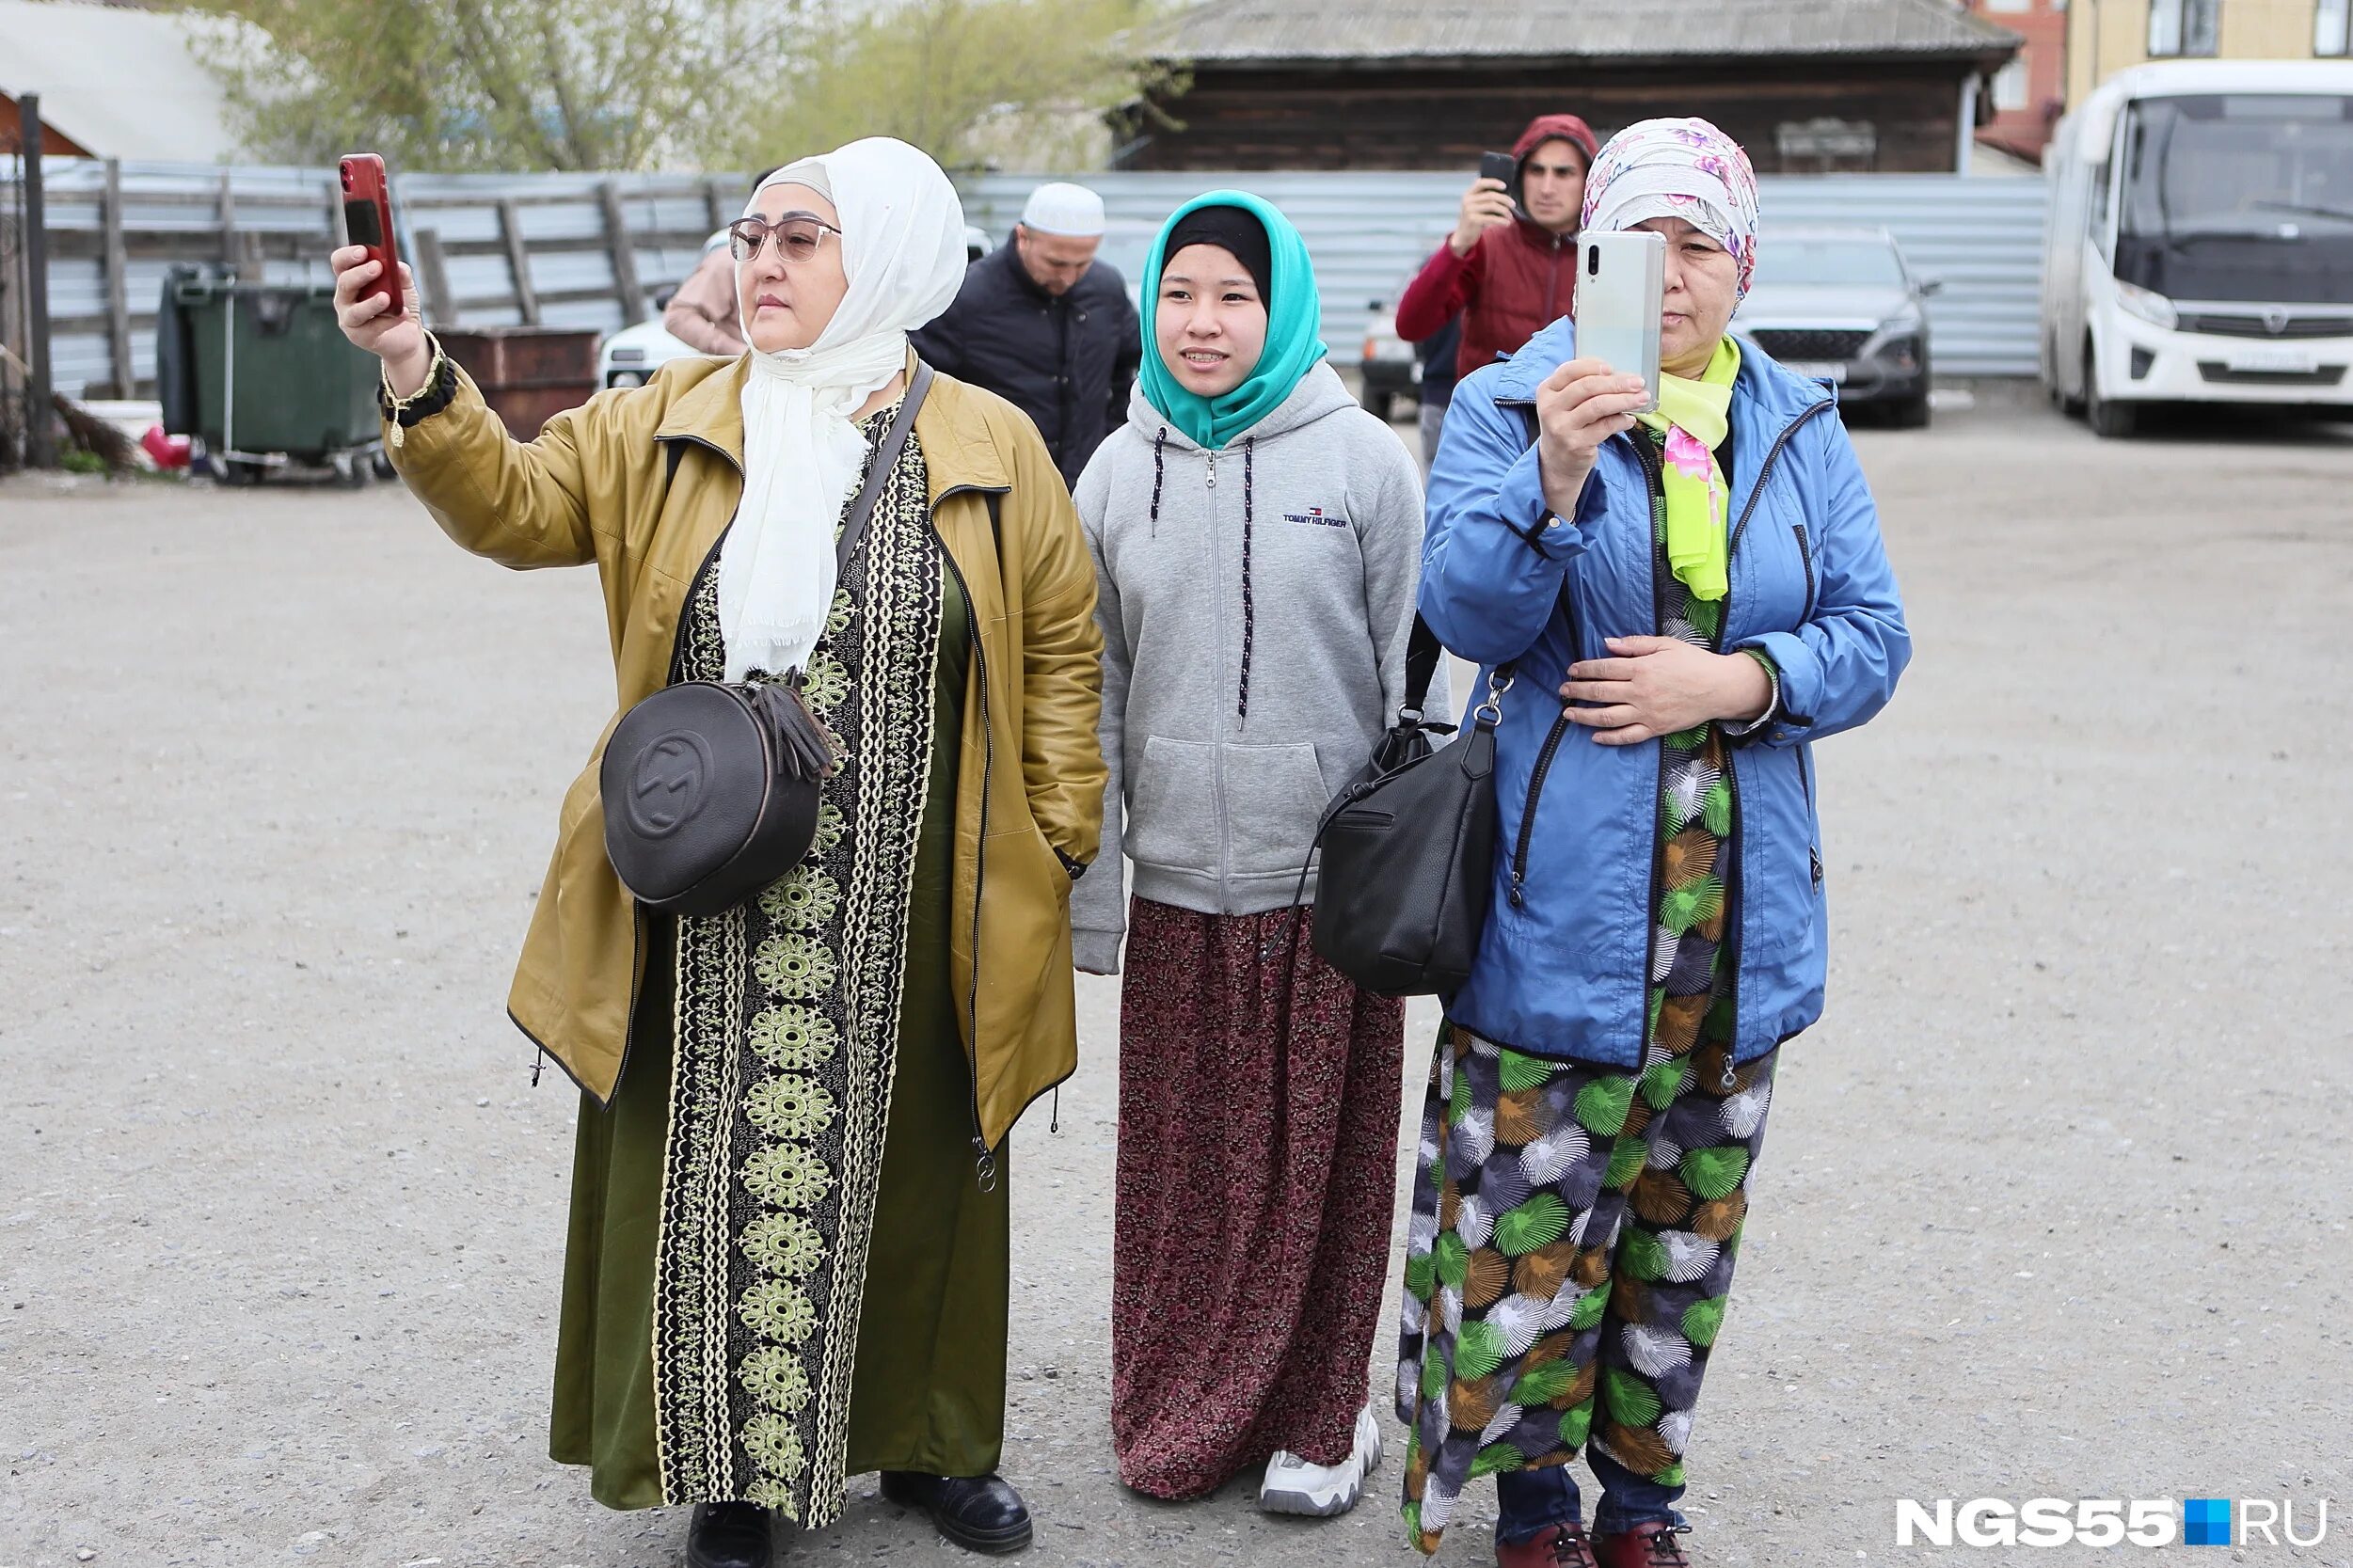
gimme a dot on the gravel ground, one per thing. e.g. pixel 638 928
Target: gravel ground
pixel 2054 1204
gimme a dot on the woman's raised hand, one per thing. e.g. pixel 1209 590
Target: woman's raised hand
pixel 1578 406
pixel 397 339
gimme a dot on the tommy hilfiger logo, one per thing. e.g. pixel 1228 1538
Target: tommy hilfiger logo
pixel 1317 516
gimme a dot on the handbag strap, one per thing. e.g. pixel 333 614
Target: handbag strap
pixel 854 527
pixel 1422 651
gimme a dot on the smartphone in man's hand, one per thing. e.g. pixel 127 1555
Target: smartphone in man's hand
pixel 1501 167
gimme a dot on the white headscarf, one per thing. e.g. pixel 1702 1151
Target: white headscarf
pixel 903 248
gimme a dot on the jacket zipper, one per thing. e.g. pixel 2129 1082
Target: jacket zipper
pixel 1805 559
pixel 1731 754
pixel 1654 475
pixel 1805 782
pixel 1764 471
pixel 984 1158
pixel 1551 748
pixel 1552 280
pixel 1560 726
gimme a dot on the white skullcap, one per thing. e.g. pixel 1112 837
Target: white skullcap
pixel 1064 208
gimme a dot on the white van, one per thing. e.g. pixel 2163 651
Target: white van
pixel 2200 240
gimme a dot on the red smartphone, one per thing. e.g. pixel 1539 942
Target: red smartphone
pixel 367 221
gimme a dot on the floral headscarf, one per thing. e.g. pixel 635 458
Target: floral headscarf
pixel 1677 169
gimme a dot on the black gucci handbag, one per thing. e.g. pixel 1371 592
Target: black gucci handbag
pixel 1409 850
pixel 711 789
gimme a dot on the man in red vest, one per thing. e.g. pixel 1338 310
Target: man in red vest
pixel 1510 266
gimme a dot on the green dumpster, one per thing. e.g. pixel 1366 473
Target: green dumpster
pixel 273 378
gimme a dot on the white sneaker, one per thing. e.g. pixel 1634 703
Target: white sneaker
pixel 1320 1491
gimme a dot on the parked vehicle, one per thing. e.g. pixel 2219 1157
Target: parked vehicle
pixel 630 356
pixel 1389 369
pixel 1843 306
pixel 2200 240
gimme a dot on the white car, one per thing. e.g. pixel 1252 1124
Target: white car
pixel 630 356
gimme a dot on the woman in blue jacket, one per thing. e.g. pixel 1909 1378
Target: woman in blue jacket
pixel 1669 608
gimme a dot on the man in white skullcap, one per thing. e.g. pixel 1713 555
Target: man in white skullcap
pixel 1046 326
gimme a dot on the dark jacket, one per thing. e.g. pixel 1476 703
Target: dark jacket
pixel 1518 280
pixel 1439 355
pixel 1066 362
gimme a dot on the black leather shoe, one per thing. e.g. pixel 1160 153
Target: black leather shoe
pixel 981 1513
pixel 729 1535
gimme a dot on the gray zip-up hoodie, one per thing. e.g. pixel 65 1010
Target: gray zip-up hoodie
pixel 1256 603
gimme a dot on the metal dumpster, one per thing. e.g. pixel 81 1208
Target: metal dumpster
pixel 526 373
pixel 263 375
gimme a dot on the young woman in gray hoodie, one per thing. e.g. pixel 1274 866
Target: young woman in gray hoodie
pixel 1256 540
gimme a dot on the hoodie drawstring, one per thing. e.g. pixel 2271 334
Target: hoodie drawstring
pixel 1250 613
pixel 1249 520
pixel 1159 454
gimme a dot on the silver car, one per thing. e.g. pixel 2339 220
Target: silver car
pixel 1843 305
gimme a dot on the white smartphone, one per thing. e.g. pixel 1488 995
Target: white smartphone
pixel 1621 292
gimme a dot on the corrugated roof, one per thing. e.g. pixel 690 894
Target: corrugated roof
pixel 121 81
pixel 1263 32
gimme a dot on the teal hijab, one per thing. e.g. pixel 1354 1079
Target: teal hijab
pixel 1295 327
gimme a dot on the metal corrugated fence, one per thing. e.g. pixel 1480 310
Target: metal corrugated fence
pixel 1367 230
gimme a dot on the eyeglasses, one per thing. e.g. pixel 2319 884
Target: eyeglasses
pixel 797 237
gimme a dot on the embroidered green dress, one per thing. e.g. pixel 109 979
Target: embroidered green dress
pixel 795 1119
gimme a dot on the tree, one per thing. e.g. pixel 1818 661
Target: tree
pixel 453 84
pixel 1019 83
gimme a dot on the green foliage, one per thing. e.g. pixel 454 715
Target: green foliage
pixel 586 84
pixel 455 84
pixel 1009 83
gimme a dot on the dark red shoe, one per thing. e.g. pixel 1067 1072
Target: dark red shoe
pixel 1557 1546
pixel 1644 1546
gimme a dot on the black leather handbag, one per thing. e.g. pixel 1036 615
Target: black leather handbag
pixel 1409 851
pixel 711 789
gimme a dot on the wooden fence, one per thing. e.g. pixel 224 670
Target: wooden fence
pixel 487 250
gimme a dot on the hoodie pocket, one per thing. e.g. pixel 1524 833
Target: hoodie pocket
pixel 1172 805
pixel 1274 795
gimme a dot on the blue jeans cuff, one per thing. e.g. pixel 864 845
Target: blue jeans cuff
pixel 1529 1502
pixel 1629 1500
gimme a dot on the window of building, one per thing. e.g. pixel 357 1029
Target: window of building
pixel 2330 28
pixel 2010 7
pixel 1827 147
pixel 2009 87
pixel 2190 28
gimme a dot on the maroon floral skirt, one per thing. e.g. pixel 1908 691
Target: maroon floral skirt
pixel 1259 1095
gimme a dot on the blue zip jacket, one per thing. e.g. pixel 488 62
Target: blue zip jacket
pixel 1563 965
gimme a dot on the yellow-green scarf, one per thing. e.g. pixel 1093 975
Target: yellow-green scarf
pixel 1695 416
